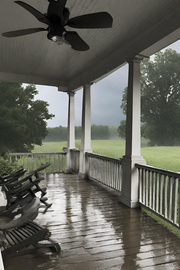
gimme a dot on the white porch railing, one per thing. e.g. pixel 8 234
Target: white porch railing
pixel 31 161
pixel 159 192
pixel 75 160
pixel 105 170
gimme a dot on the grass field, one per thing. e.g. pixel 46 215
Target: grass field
pixel 162 157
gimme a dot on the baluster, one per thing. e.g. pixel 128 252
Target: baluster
pixel 45 162
pixel 116 175
pixel 157 192
pixel 170 199
pixel 54 164
pixel 147 187
pixel 112 173
pixel 50 162
pixel 120 174
pixel 176 182
pixel 92 166
pixel 32 162
pixel 140 184
pixel 23 161
pixel 165 196
pixel 36 161
pixel 105 172
pixel 62 163
pixel 143 185
pixel 27 163
pixel 161 195
pixel 100 170
pixel 58 163
pixel 89 161
pixel 113 168
pixel 153 191
pixel 109 173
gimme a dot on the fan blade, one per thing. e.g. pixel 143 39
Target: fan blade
pixel 94 20
pixel 42 18
pixel 56 8
pixel 76 42
pixel 23 32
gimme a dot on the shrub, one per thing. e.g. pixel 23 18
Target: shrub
pixel 6 167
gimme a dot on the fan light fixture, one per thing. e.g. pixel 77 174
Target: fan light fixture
pixel 57 39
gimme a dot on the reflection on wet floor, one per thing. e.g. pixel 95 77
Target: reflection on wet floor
pixel 96 231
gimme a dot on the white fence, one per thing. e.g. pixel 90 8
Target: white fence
pixel 31 161
pixel 105 170
pixel 159 192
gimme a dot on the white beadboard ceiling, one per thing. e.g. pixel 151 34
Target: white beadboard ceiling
pixel 139 27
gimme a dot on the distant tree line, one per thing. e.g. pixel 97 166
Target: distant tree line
pixel 58 134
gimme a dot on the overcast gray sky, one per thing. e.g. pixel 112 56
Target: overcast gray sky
pixel 106 97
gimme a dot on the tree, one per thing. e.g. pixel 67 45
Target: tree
pixel 160 98
pixel 122 129
pixel 22 119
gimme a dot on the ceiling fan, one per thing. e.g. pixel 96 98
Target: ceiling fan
pixel 57 18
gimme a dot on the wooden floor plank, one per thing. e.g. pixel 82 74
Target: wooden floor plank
pixel 96 231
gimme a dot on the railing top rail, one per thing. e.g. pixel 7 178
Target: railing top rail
pixel 103 157
pixel 157 170
pixel 34 154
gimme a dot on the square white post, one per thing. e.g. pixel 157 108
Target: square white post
pixel 86 130
pixel 130 183
pixel 71 132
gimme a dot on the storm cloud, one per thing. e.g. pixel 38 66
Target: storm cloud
pixel 106 97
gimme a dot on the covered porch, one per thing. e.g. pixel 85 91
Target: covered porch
pixel 140 29
pixel 98 228
pixel 97 231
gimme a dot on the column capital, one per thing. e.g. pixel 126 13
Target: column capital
pixel 87 85
pixel 137 59
pixel 71 94
pixel 134 60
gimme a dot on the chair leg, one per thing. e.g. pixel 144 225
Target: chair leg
pixel 54 246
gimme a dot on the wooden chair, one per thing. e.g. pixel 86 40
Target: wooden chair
pixel 20 190
pixel 16 234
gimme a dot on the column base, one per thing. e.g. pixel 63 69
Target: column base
pixel 83 175
pixel 128 202
pixel 130 180
pixel 83 164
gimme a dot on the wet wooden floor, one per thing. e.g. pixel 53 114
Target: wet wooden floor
pixel 97 232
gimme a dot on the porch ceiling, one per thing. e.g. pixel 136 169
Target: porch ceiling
pixel 139 27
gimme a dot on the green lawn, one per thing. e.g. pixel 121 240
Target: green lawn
pixel 162 157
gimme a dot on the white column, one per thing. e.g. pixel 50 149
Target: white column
pixel 71 122
pixel 133 137
pixel 86 130
pixel 71 132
